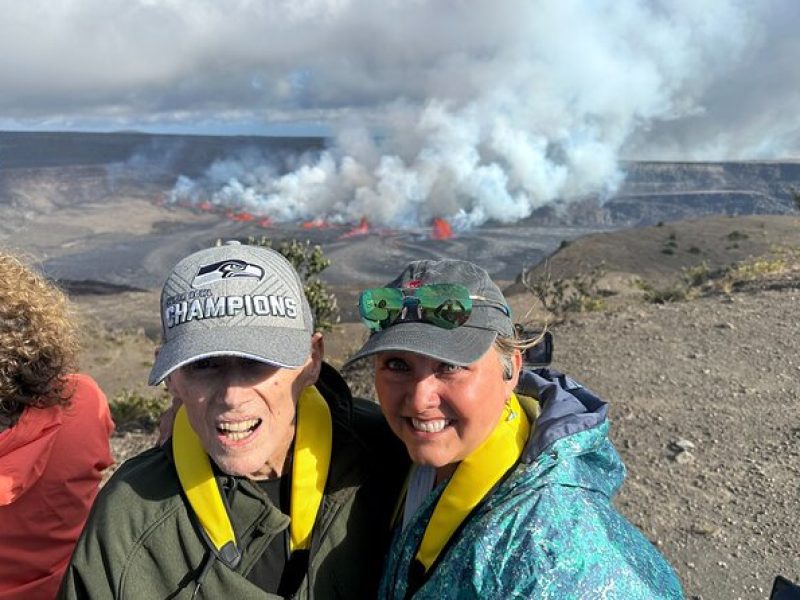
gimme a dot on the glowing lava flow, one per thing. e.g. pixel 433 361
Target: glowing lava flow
pixel 241 216
pixel 315 224
pixel 441 229
pixel 361 229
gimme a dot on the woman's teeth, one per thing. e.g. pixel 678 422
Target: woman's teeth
pixel 429 426
pixel 238 430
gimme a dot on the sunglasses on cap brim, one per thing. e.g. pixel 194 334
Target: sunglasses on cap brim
pixel 445 305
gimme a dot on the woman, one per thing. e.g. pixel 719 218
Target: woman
pixel 54 435
pixel 510 495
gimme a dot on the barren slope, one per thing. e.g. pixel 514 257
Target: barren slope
pixel 704 396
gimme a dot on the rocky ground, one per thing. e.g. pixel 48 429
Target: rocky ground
pixel 704 393
pixel 705 408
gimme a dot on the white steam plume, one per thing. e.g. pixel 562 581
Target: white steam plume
pixel 480 111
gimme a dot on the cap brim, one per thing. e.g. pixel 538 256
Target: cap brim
pixel 282 347
pixel 460 346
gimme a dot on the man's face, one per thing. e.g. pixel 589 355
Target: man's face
pixel 442 412
pixel 244 410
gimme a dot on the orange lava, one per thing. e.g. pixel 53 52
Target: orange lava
pixel 242 216
pixel 441 229
pixel 315 224
pixel 361 229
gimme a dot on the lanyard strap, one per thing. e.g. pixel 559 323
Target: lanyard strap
pixel 312 459
pixel 474 478
pixel 311 462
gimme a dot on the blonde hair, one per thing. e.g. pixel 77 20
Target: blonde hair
pixel 38 341
pixel 507 346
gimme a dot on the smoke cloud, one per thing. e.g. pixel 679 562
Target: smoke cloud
pixel 464 109
pixel 499 110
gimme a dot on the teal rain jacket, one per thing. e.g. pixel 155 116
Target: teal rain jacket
pixel 549 529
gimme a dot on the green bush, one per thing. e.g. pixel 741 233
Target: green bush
pixel 701 280
pixel 134 411
pixel 653 295
pixel 567 295
pixel 795 194
pixel 697 275
pixel 737 235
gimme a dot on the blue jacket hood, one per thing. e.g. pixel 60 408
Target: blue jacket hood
pixel 566 408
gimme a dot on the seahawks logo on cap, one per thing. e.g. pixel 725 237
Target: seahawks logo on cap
pixel 226 269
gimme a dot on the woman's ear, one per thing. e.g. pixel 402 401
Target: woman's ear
pixel 513 378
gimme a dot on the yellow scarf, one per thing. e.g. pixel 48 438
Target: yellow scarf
pixel 474 478
pixel 311 461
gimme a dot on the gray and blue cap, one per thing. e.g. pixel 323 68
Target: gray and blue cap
pixel 233 300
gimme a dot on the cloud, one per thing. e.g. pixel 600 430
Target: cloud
pixel 467 109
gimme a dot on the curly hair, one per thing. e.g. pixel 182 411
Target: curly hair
pixel 38 341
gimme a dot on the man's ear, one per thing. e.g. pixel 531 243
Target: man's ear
pixel 156 350
pixel 314 365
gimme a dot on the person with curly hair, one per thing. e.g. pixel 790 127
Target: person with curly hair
pixel 55 427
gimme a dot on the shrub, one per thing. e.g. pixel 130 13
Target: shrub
pixel 655 295
pixel 737 235
pixel 753 270
pixel 134 411
pixel 700 280
pixel 697 275
pixel 692 279
pixel 795 194
pixel 567 295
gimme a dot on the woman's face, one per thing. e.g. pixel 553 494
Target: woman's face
pixel 442 412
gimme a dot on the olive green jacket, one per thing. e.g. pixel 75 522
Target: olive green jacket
pixel 142 541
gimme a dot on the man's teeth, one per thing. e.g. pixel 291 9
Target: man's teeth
pixel 237 430
pixel 430 426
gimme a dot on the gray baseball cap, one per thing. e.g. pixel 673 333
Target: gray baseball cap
pixel 462 345
pixel 233 300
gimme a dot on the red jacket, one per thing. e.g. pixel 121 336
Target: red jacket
pixel 50 466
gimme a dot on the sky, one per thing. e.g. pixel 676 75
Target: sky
pixel 465 107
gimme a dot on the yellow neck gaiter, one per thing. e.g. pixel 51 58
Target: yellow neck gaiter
pixel 474 478
pixel 310 465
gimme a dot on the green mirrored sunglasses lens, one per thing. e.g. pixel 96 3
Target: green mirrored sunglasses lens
pixel 447 315
pixel 445 305
pixel 376 305
pixel 435 294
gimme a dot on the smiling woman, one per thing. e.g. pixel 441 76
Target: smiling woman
pixel 510 491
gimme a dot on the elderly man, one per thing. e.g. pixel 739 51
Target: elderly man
pixel 276 482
